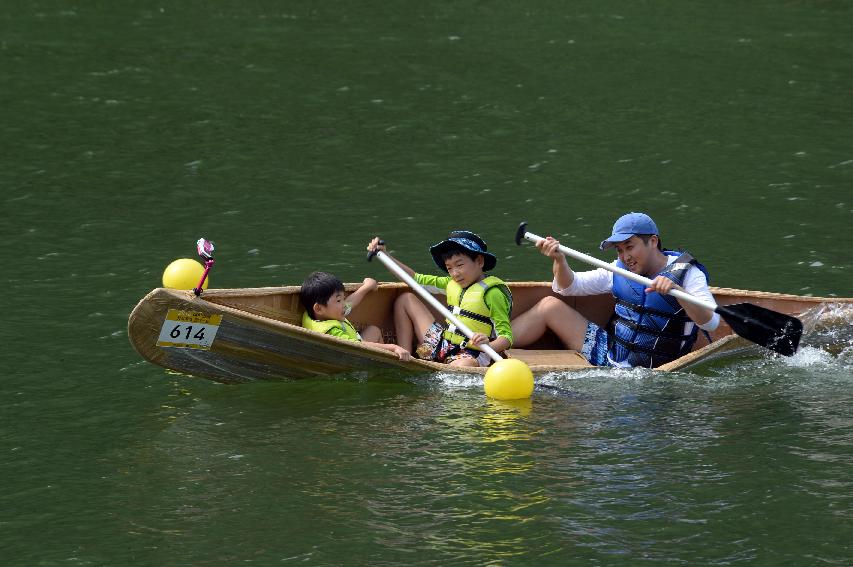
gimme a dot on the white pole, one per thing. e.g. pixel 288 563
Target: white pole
pixel 622 272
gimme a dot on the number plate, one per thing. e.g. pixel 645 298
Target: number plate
pixel 188 329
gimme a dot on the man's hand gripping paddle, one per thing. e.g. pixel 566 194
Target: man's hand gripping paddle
pixel 205 252
pixel 773 330
pixel 506 379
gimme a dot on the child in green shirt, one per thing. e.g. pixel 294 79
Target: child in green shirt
pixel 482 302
pixel 322 295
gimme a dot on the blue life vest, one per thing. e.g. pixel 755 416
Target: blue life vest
pixel 647 329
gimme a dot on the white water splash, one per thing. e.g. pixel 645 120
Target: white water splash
pixel 809 356
pixel 453 381
pixel 829 328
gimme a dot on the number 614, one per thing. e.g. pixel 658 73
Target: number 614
pixel 176 332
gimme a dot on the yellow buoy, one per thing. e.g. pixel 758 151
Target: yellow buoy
pixel 508 379
pixel 183 273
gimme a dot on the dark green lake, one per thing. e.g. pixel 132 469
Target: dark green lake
pixel 292 132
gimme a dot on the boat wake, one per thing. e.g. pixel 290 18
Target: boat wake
pixel 827 345
pixel 827 336
pixel 453 381
pixel 809 357
pixel 825 355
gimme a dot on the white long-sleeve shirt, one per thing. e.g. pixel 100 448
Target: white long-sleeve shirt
pixel 598 281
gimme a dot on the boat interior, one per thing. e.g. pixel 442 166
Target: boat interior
pixel 282 304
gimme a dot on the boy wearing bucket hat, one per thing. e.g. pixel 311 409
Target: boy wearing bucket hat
pixel 482 302
pixel 648 327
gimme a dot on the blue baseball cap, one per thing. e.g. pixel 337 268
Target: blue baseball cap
pixel 627 226
pixel 463 239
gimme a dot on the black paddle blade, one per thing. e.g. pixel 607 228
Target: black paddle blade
pixel 770 329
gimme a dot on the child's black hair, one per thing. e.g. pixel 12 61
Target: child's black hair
pixel 455 250
pixel 319 287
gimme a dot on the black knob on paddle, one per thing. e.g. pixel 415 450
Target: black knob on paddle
pixel 519 234
pixel 373 253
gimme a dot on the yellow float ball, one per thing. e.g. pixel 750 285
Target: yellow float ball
pixel 508 379
pixel 183 273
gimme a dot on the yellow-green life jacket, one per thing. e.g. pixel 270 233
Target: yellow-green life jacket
pixel 469 306
pixel 329 324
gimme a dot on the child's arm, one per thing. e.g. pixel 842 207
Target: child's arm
pixel 368 285
pixel 500 344
pixel 375 245
pixel 401 353
pixel 499 313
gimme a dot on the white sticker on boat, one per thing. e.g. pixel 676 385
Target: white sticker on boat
pixel 188 329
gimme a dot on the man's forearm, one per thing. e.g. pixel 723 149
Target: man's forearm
pixel 563 274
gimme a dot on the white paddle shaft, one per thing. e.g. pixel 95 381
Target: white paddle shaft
pixel 427 296
pixel 623 272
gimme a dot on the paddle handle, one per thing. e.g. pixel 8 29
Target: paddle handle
pixel 205 251
pixel 427 296
pixel 207 265
pixel 678 294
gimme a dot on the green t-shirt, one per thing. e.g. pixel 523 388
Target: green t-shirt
pixel 496 301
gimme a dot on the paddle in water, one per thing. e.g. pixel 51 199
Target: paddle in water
pixel 506 378
pixel 773 330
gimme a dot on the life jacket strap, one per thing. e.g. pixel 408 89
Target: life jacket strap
pixel 471 315
pixel 468 315
pixel 634 347
pixel 642 309
pixel 658 332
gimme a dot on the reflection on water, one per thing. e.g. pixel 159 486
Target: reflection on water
pixel 502 420
pixel 469 460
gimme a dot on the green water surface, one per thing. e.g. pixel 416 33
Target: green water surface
pixel 292 132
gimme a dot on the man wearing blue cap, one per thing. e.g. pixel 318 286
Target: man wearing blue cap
pixel 648 327
pixel 482 302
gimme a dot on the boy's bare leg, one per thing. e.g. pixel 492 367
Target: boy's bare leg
pixel 411 320
pixel 465 362
pixel 371 334
pixel 549 313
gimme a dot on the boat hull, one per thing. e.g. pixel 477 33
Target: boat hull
pixel 258 336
